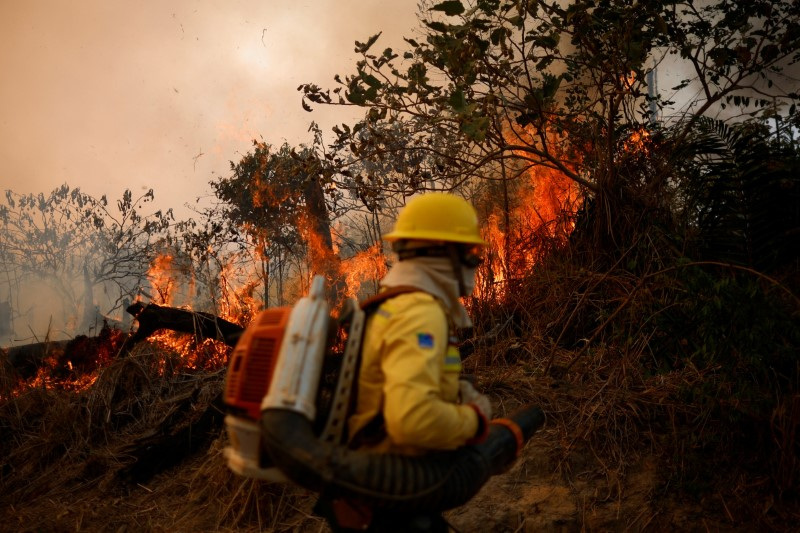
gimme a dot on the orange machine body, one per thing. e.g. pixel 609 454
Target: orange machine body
pixel 253 361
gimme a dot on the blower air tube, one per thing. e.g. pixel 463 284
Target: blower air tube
pixel 433 482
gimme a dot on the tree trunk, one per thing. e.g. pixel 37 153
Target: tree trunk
pixel 89 311
pixel 324 260
pixel 6 327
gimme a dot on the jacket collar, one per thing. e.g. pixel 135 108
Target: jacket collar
pixel 433 275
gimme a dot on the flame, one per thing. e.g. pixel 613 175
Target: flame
pixel 265 193
pixel 162 278
pixel 322 258
pixel 234 303
pixel 237 303
pixel 75 367
pixel 628 81
pixel 195 354
pixel 637 141
pixel 367 266
pixel 498 247
pixel 540 214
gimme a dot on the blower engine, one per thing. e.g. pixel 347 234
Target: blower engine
pixel 277 364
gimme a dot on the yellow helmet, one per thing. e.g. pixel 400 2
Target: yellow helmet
pixel 437 217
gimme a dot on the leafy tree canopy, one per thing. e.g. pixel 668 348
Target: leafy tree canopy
pixel 514 84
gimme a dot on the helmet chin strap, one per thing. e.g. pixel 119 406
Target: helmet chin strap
pixel 458 272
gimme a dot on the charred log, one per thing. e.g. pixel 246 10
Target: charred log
pixel 80 355
pixel 152 317
pixel 84 354
pixel 28 359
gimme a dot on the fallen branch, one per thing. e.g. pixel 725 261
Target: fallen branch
pixel 152 317
pixel 81 353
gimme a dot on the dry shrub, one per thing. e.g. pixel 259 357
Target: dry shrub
pixel 629 363
pixel 785 428
pixel 204 495
pixel 8 376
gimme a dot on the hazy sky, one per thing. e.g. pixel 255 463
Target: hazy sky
pixel 106 95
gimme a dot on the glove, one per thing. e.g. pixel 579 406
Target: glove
pixel 469 395
pixel 482 406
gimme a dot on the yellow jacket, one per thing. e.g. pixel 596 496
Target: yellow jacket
pixel 409 377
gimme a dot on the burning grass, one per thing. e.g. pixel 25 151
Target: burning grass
pixel 58 440
pixel 140 448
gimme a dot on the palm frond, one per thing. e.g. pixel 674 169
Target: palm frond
pixel 742 191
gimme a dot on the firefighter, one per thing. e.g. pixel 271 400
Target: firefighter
pixel 410 398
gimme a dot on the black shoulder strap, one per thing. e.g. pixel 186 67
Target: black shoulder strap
pixel 375 430
pixel 370 304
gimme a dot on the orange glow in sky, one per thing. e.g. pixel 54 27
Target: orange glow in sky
pixel 106 95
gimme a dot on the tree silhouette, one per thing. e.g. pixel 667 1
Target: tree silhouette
pixel 73 242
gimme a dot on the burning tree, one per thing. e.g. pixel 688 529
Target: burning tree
pixel 274 204
pixel 493 88
pixel 281 205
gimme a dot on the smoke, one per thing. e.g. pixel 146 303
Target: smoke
pixel 35 311
pixel 106 96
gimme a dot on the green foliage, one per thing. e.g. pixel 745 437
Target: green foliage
pixel 742 332
pixel 744 326
pixel 740 189
pixel 450 8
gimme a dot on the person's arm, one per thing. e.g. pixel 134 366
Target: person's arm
pixel 412 362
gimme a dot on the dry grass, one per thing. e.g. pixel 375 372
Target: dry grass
pixel 586 345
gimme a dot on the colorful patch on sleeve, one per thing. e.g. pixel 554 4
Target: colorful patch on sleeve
pixel 452 360
pixel 425 340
